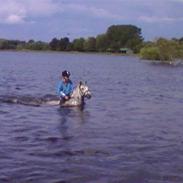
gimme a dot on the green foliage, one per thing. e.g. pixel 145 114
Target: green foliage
pixel 115 38
pixel 180 51
pixel 10 44
pixel 3 44
pixel 163 50
pixel 166 48
pixel 63 44
pixel 54 44
pixel 36 45
pixel 181 40
pixel 78 44
pixel 150 53
pixel 90 44
pixel 69 47
pixel 101 43
pixel 120 36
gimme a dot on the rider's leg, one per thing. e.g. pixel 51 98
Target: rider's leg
pixel 62 100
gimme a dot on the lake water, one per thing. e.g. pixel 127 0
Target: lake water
pixel 130 131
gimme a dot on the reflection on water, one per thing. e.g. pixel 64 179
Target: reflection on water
pixel 67 114
pixel 129 132
pixel 64 120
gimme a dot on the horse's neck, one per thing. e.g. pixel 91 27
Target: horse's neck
pixel 76 93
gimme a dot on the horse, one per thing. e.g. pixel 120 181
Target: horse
pixel 80 92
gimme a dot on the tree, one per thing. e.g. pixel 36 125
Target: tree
pixel 31 41
pixel 36 45
pixel 3 44
pixel 78 44
pixel 124 36
pixel 63 44
pixel 90 44
pixel 181 40
pixel 10 44
pixel 54 44
pixel 101 42
pixel 168 49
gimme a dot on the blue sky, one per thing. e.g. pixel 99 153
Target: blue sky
pixel 46 19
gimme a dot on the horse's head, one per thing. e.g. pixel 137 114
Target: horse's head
pixel 84 90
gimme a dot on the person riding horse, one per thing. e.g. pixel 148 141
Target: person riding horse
pixel 68 96
pixel 65 87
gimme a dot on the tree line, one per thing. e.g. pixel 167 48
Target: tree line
pixel 115 38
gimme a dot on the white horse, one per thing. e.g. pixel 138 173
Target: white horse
pixel 77 97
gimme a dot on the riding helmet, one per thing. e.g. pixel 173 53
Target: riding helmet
pixel 66 74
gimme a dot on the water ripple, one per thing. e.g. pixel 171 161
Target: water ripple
pixel 129 132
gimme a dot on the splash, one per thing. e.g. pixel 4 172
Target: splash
pixel 46 100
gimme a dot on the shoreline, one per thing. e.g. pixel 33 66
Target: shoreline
pixel 69 52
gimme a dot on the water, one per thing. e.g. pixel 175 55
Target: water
pixel 129 132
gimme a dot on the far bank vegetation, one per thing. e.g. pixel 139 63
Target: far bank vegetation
pixel 163 50
pixel 117 39
pixel 123 39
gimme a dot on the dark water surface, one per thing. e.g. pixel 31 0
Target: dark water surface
pixel 131 131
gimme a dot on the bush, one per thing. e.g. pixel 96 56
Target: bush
pixel 163 50
pixel 168 49
pixel 150 53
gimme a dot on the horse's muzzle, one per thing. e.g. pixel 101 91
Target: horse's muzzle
pixel 88 95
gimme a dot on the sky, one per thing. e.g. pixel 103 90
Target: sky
pixel 45 19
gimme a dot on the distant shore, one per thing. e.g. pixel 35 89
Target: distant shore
pixel 71 52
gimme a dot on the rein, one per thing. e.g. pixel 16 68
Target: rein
pixel 83 94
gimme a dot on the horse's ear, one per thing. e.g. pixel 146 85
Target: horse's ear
pixel 80 83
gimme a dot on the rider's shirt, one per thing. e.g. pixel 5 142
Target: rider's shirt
pixel 65 89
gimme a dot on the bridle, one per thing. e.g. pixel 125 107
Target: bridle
pixel 84 91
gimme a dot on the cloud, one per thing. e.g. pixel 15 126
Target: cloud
pixel 27 11
pixel 154 19
pixel 14 19
pixel 86 17
pixel 19 11
pixel 42 7
pixel 11 12
pixel 177 1
pixel 23 11
pixel 99 12
pixel 89 10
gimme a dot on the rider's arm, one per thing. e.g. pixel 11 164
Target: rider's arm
pixel 60 88
pixel 69 89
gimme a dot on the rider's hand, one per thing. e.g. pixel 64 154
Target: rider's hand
pixel 66 97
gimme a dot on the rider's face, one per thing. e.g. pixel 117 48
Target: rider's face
pixel 65 79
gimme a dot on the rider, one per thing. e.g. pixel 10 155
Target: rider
pixel 65 87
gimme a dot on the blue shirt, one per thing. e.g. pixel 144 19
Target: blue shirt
pixel 65 88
